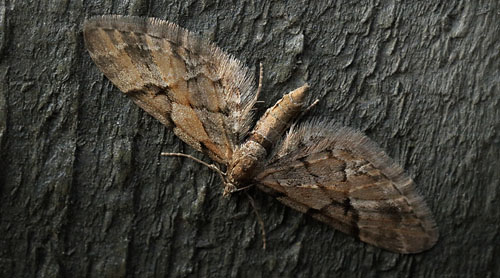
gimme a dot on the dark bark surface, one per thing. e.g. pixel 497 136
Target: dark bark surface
pixel 84 192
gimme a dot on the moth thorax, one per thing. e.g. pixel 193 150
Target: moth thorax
pixel 245 161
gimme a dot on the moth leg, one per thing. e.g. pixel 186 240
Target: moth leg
pixel 242 188
pixel 259 219
pixel 211 166
pixel 310 106
pixel 304 112
pixel 261 76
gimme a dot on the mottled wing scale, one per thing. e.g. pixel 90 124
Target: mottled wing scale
pixel 185 82
pixel 340 177
pixel 332 173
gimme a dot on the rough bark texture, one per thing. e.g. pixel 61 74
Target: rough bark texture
pixel 84 192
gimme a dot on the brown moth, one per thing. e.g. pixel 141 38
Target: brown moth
pixel 332 173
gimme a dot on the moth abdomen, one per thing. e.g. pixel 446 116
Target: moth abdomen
pixel 277 119
pixel 268 130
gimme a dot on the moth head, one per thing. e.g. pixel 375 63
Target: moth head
pixel 229 188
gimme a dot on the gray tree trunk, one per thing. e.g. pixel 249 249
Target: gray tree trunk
pixel 84 192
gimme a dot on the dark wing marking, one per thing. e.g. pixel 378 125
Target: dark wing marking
pixel 340 177
pixel 185 82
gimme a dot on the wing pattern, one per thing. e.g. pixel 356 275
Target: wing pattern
pixel 342 178
pixel 185 82
pixel 335 174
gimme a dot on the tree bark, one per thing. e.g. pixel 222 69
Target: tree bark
pixel 85 193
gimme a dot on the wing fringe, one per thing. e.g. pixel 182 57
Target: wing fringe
pixel 317 135
pixel 238 80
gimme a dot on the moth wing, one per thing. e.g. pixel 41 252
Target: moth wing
pixel 185 82
pixel 342 178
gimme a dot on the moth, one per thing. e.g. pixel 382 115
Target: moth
pixel 332 173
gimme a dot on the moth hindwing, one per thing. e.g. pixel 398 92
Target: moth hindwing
pixel 335 174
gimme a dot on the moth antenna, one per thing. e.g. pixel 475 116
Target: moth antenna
pixel 259 219
pixel 211 166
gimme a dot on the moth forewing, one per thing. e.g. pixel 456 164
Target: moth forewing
pixel 186 82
